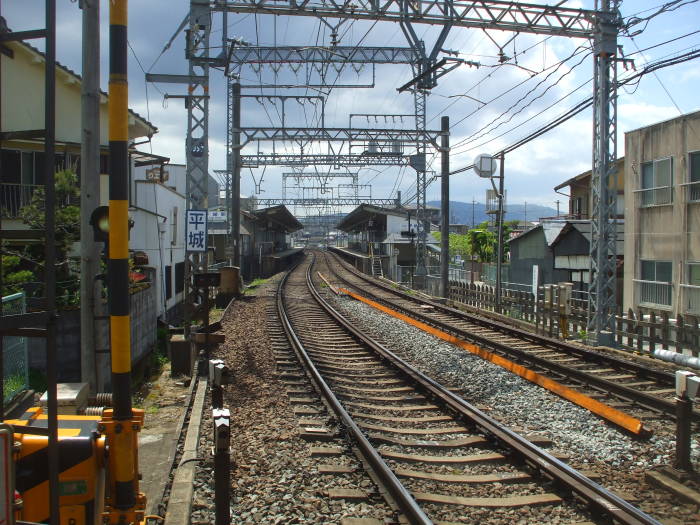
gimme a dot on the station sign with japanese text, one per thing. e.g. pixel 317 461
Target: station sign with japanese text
pixel 196 231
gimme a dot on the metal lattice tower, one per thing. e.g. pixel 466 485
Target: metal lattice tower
pixel 603 268
pixel 419 165
pixel 228 174
pixel 197 144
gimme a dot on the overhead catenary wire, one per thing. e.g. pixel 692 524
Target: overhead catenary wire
pixel 585 104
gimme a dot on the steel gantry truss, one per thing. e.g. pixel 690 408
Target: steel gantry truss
pixel 502 15
pixel 383 138
pixel 601 26
pixel 251 55
pixel 337 160
pixel 332 202
pixel 322 178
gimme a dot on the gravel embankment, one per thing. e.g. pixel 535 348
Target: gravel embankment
pixel 590 443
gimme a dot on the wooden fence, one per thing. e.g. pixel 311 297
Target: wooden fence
pixel 556 314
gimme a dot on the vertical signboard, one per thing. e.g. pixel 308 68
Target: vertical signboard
pixel 535 279
pixel 7 476
pixel 196 231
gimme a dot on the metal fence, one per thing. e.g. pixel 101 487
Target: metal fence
pixel 13 197
pixel 14 351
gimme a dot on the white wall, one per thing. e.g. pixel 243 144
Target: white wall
pixel 159 231
pixel 23 99
pixel 395 224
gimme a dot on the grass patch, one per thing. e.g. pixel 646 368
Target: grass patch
pixel 254 284
pixel 11 386
pixel 215 314
pixel 257 282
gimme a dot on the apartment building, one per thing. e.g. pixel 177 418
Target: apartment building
pixel 662 216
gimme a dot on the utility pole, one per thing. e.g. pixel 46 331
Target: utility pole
pixel 499 261
pixel 557 201
pixel 473 204
pixel 236 173
pixel 445 206
pixel 90 299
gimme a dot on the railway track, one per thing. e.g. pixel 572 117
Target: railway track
pixel 621 384
pixel 432 453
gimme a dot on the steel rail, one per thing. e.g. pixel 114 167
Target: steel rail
pixel 597 496
pixel 401 495
pixel 632 395
pixel 657 375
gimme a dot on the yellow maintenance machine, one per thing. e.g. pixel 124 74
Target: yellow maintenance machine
pixel 97 455
pixel 84 472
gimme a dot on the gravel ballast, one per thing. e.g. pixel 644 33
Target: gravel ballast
pixel 589 442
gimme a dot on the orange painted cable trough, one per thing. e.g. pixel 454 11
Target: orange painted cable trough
pixel 613 415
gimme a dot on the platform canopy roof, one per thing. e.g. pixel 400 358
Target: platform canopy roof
pixel 280 217
pixel 363 213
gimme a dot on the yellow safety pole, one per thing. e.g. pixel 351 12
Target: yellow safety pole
pixel 121 428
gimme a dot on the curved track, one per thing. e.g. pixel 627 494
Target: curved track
pixel 619 382
pixel 431 451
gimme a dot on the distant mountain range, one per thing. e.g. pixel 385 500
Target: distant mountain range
pixel 461 212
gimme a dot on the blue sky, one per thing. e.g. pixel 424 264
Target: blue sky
pixel 531 171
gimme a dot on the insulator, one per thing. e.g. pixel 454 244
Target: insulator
pixel 94 411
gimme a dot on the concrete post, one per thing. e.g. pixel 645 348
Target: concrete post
pixel 90 300
pixel 684 412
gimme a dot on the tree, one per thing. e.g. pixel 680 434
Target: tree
pixel 482 243
pixel 458 244
pixel 13 276
pixel 25 264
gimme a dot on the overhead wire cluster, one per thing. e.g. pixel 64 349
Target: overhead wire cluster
pixel 526 93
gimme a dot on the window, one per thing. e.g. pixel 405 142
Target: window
pixel 657 182
pixel 179 277
pixel 694 274
pixel 694 177
pixel 168 282
pixel 691 289
pixel 656 271
pixel 655 285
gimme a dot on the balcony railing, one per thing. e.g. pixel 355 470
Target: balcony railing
pixel 654 293
pixel 13 197
pixel 691 298
pixel 655 196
